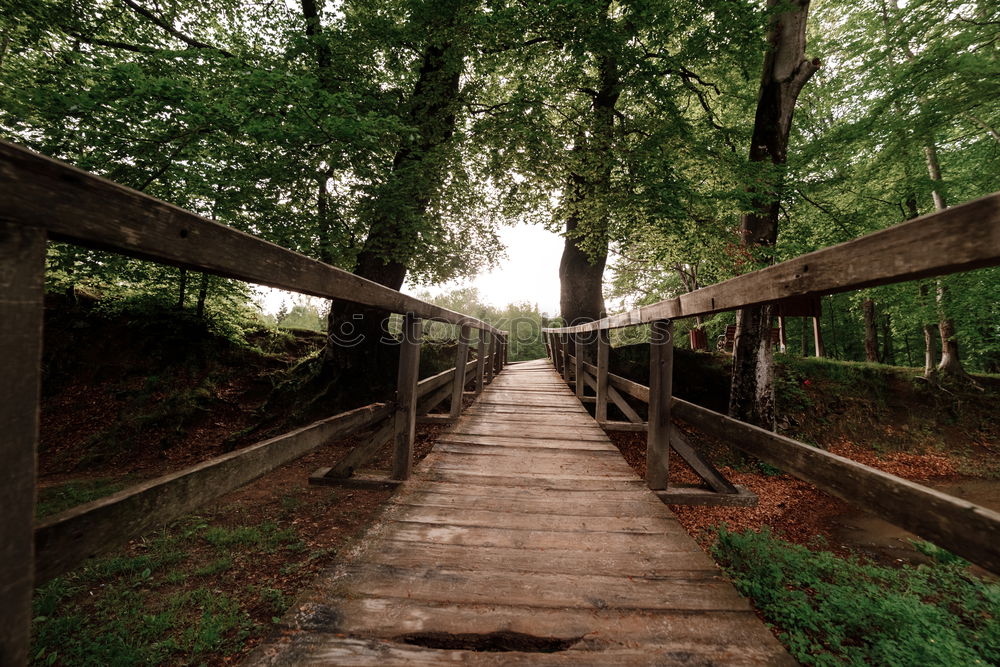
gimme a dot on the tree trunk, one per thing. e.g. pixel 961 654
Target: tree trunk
pixel 871 333
pixel 182 289
pixel 585 252
pixel 202 295
pixel 398 213
pixel 888 354
pixel 818 338
pixel 929 367
pixel 785 71
pixel 950 364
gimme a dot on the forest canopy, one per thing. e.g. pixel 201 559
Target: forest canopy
pixel 394 137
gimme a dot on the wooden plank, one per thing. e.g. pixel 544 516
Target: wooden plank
pixel 66 539
pixel 82 208
pixel 564 350
pixel 630 427
pixel 691 495
pixel 461 359
pixel 661 372
pixel 579 385
pixel 22 270
pixel 603 354
pixel 405 408
pixel 970 530
pixel 618 400
pixel 960 238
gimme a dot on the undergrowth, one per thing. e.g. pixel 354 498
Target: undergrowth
pixel 832 611
pixel 160 603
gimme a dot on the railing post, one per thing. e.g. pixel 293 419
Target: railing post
pixel 564 349
pixel 480 362
pixel 498 351
pixel 461 358
pixel 661 367
pixel 578 366
pixel 491 358
pixel 603 358
pixel 22 256
pixel 405 416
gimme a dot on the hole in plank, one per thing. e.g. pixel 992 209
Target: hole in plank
pixel 184 233
pixel 492 642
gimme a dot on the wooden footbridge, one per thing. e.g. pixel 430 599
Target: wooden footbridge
pixel 524 536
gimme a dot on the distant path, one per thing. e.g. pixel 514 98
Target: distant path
pixel 525 528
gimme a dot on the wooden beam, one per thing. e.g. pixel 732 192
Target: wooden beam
pixel 85 209
pixel 969 530
pixel 630 427
pixel 22 271
pixel 699 462
pixel 68 538
pixel 661 370
pixel 405 413
pixel 693 495
pixel 956 239
pixel 564 348
pixel 360 455
pixel 490 356
pixel 616 398
pixel 458 384
pixel 578 368
pixel 603 358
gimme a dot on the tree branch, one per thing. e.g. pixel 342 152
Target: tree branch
pixel 190 41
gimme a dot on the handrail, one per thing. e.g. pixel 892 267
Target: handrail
pixel 968 529
pixel 957 239
pixel 83 208
pixel 42 198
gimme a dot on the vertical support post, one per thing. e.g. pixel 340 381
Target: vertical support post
pixel 564 348
pixel 405 415
pixel 497 355
pixel 480 362
pixel 603 359
pixel 22 266
pixel 556 353
pixel 782 335
pixel 461 358
pixel 578 366
pixel 548 347
pixel 491 358
pixel 661 367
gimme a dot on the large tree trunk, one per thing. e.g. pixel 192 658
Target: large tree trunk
pixel 585 253
pixel 929 367
pixel 950 364
pixel 785 71
pixel 356 341
pixel 871 332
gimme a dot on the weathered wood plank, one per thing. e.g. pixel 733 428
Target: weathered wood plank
pixel 22 270
pixel 405 408
pixel 698 462
pixel 661 373
pixel 601 377
pixel 969 530
pixel 461 359
pixel 956 239
pixel 82 208
pixel 66 539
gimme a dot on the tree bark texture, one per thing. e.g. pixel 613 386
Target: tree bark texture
pixel 785 72
pixel 871 332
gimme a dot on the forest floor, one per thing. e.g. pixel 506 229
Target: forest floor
pixel 207 588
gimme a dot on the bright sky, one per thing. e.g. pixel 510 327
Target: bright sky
pixel 530 272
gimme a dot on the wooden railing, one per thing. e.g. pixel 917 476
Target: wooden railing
pixel 42 199
pixel 958 239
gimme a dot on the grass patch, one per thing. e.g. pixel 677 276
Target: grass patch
pixel 56 499
pixel 833 611
pixel 177 598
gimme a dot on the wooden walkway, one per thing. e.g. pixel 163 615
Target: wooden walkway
pixel 524 531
